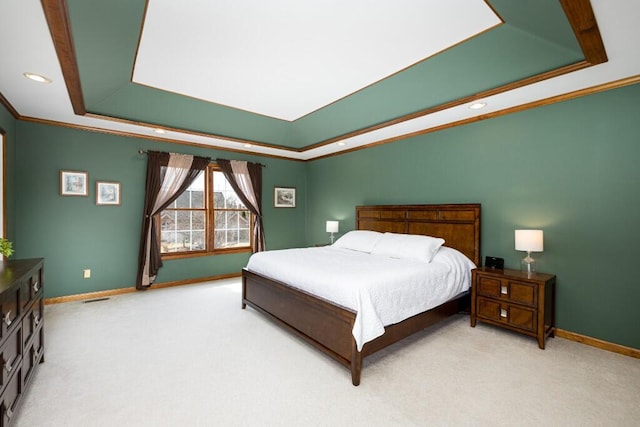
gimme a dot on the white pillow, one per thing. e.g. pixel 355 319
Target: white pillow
pixel 358 240
pixel 409 246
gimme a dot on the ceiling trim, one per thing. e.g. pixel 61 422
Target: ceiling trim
pixel 539 103
pixel 192 132
pixel 135 58
pixel 4 101
pixel 579 14
pixel 460 101
pixel 585 27
pixel 57 17
pixel 147 137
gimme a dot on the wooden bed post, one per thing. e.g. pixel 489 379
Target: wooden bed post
pixel 244 291
pixel 356 364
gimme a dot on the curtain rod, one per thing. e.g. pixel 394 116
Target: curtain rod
pixel 146 152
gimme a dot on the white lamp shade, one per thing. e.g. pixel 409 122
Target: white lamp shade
pixel 529 240
pixel 332 226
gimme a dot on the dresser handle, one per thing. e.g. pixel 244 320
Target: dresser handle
pixel 503 312
pixel 7 367
pixel 36 320
pixel 7 318
pixel 7 411
pixel 503 290
pixel 36 287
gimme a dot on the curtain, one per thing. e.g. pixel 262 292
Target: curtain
pixel 168 176
pixel 246 180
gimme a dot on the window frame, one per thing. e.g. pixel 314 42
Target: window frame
pixel 210 212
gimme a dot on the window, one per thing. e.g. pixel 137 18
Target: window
pixel 207 218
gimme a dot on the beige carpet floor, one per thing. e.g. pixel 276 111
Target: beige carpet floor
pixel 189 356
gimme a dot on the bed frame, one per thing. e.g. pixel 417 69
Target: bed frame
pixel 328 326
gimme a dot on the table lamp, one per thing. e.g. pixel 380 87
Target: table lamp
pixel 529 241
pixel 332 227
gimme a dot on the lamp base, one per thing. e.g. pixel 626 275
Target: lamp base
pixel 331 238
pixel 528 265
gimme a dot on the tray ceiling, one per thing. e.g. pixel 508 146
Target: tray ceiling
pixel 287 58
pixel 299 80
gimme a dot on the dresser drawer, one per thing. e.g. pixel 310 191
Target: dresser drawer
pixel 516 316
pixel 10 398
pixel 32 320
pixel 508 290
pixel 9 310
pixel 33 354
pixel 31 288
pixel 10 354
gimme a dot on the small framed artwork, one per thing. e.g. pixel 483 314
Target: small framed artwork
pixel 107 193
pixel 74 183
pixel 284 197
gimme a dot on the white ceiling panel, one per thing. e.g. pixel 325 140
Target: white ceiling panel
pixel 288 58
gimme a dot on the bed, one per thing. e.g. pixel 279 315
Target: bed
pixel 328 325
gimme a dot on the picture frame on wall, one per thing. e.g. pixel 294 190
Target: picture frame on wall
pixel 107 193
pixel 74 183
pixel 284 197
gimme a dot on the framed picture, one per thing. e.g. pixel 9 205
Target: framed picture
pixel 107 193
pixel 284 197
pixel 74 183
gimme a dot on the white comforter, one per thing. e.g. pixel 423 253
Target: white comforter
pixel 381 290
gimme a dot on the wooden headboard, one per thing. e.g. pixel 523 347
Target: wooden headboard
pixel 458 225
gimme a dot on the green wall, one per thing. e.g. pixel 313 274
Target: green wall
pixel 570 169
pixel 72 233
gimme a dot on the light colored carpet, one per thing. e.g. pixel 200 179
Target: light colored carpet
pixel 189 356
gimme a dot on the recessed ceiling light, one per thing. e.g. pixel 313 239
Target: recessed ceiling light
pixel 477 105
pixel 160 131
pixel 248 145
pixel 341 143
pixel 37 78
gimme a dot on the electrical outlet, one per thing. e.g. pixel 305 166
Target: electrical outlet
pixel 86 273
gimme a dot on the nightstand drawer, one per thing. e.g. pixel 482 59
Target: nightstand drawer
pixel 513 315
pixel 508 290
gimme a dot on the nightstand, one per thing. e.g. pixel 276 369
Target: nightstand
pixel 515 301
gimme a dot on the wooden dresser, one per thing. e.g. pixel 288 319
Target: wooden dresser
pixel 515 301
pixel 21 330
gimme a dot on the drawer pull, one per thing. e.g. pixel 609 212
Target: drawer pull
pixel 503 289
pixel 7 410
pixel 7 318
pixel 503 312
pixel 36 320
pixel 36 355
pixel 36 286
pixel 7 367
